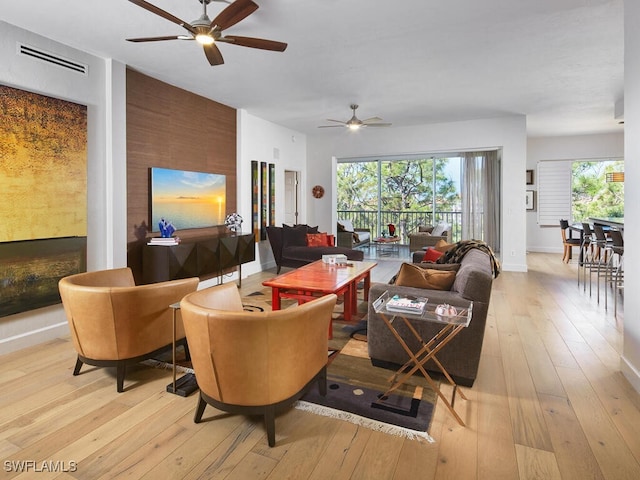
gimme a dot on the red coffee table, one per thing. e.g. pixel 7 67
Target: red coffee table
pixel 319 278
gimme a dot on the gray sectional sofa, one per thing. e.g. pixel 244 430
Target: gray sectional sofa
pixel 461 356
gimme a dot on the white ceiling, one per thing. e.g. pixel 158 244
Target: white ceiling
pixel 559 62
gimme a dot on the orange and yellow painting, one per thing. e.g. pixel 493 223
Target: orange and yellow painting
pixel 43 166
pixel 43 197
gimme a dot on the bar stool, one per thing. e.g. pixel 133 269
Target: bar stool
pixel 587 254
pixel 615 268
pixel 603 251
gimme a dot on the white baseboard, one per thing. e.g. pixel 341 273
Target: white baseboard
pixel 535 249
pixel 34 337
pixel 630 372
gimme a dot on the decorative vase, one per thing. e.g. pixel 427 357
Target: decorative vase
pixel 233 222
pixel 166 228
pixel 392 230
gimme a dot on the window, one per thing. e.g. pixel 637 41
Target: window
pixel 591 194
pixel 406 192
pixel 578 190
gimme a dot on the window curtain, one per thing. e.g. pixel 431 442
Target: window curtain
pixel 480 192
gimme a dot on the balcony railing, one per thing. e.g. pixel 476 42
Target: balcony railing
pixel 406 222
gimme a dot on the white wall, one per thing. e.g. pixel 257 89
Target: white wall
pixel 103 91
pixel 267 142
pixel 509 133
pixel 630 362
pixel 578 147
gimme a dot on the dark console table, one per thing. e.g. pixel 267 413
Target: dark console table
pixel 198 257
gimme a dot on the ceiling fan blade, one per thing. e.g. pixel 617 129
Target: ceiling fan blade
pixel 372 119
pixel 213 54
pixel 260 43
pixel 238 10
pixel 376 125
pixel 330 126
pixel 163 14
pixel 155 39
pixel 338 121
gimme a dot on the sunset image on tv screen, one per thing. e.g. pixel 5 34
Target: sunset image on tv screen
pixel 187 199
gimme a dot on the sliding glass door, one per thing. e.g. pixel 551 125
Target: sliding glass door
pixel 403 192
pixel 423 190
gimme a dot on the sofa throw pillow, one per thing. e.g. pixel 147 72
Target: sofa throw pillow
pixel 347 225
pixel 318 240
pixel 294 236
pixel 431 255
pixel 443 246
pixel 411 275
pixel 439 229
pixel 309 229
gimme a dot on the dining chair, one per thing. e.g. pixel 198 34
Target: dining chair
pixel 567 242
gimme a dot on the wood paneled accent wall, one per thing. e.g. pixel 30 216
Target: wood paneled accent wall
pixel 172 128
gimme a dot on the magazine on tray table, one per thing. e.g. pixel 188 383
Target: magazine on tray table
pixel 406 304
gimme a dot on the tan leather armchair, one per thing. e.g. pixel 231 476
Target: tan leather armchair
pixel 255 362
pixel 113 322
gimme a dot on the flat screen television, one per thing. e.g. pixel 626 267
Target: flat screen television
pixel 187 199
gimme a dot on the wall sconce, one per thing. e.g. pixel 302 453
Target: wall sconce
pixel 614 177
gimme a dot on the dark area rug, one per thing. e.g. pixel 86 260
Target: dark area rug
pixel 354 391
pixel 354 385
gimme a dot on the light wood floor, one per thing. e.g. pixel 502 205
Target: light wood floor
pixel 549 402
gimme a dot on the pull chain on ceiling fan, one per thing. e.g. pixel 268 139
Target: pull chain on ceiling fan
pixel 208 32
pixel 354 123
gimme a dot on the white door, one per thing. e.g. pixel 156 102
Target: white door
pixel 291 197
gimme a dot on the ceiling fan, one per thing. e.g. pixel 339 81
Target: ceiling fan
pixel 354 123
pixel 208 32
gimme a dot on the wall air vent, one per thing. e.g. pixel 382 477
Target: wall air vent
pixel 52 58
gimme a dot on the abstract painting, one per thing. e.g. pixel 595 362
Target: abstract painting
pixel 255 196
pixel 272 194
pixel 263 200
pixel 43 197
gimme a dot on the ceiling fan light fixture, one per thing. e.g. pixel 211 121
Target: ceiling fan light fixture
pixel 204 39
pixel 354 126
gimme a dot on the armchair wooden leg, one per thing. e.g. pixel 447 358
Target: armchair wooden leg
pixel 199 409
pixel 322 382
pixel 120 371
pixel 76 370
pixel 270 423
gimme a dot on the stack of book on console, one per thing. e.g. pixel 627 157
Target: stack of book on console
pixel 166 241
pixel 407 304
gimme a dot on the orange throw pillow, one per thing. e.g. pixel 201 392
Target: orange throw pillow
pixel 443 246
pixel 411 275
pixel 317 240
pixel 431 255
